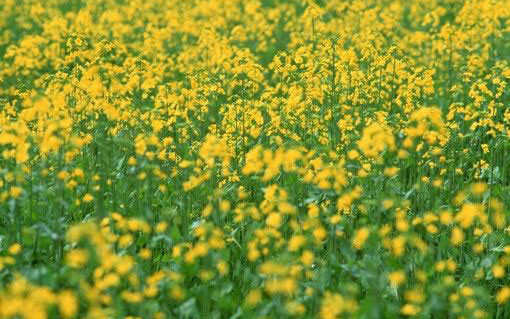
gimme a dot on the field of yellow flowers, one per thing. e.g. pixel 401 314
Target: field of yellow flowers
pixel 254 159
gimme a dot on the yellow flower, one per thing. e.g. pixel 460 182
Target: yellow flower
pixel 87 198
pixel 15 191
pixel 398 245
pixel 451 265
pixel 131 297
pixel 177 293
pixel 288 286
pixel 467 291
pixel 410 310
pixel 77 258
pixel 274 220
pixel 222 267
pixel 313 211
pixel 161 227
pixel 206 275
pixel 125 264
pixel 503 295
pixel 467 214
pixel 396 278
pixel 319 233
pixel 14 249
pixel 145 253
pixel 457 236
pixel 125 240
pixel 478 248
pixel 353 154
pixel 253 298
pixel 391 171
pixel 498 271
pixel 360 237
pixel 414 295
pixel 375 139
pixel 437 183
pixel 332 305
pixel 387 203
pixel 296 242
pixel 478 188
pixel 445 217
pixel 295 308
pixel 67 304
pixel 307 258
pixel 224 206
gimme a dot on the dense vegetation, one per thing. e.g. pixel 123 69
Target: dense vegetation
pixel 254 159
